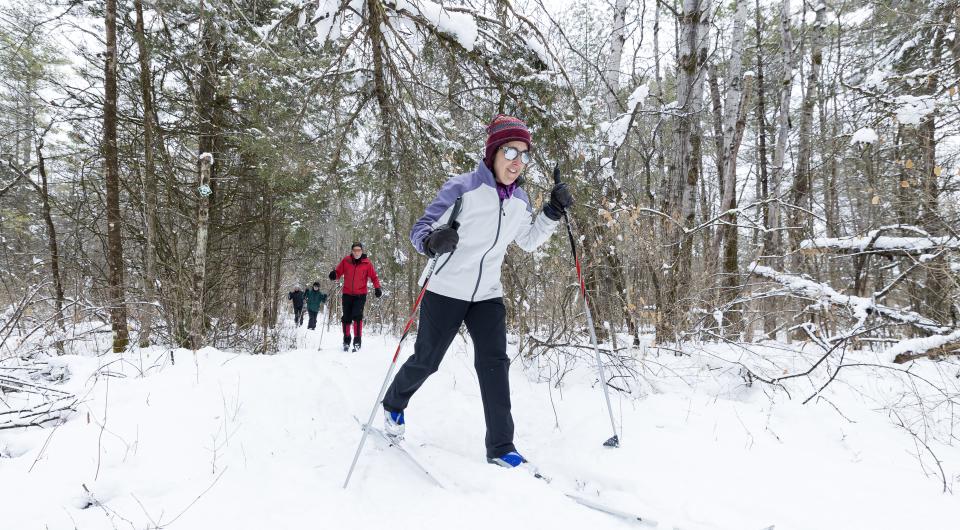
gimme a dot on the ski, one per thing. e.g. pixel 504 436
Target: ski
pixel 535 472
pixel 594 505
pixel 627 516
pixel 398 444
pixel 532 470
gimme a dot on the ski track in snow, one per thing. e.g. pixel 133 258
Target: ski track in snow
pixel 254 442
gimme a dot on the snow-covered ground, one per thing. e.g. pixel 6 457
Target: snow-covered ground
pixel 235 441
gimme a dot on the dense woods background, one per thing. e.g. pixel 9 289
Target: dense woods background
pixel 744 171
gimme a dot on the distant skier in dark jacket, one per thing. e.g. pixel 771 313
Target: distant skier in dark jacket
pixel 315 299
pixel 355 269
pixel 465 287
pixel 296 296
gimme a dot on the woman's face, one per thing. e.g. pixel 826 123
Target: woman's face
pixel 508 171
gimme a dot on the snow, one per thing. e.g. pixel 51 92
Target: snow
pixel 237 441
pixel 326 19
pixel 877 79
pixel 889 243
pixel 537 47
pixel 857 17
pixel 637 97
pixel 912 109
pixel 865 135
pixel 617 130
pixel 922 344
pixel 860 307
pixel 461 26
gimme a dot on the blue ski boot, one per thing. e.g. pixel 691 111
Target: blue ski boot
pixel 393 423
pixel 511 460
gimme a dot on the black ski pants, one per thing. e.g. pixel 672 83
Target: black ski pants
pixel 312 323
pixel 353 307
pixel 440 319
pixel 298 315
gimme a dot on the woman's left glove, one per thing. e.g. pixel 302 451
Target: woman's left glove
pixel 560 200
pixel 377 292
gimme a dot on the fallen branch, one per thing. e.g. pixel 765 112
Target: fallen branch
pixel 931 347
pixel 874 242
pixel 860 307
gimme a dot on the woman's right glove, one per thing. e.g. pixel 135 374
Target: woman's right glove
pixel 441 241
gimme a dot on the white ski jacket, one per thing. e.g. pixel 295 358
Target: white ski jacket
pixel 487 226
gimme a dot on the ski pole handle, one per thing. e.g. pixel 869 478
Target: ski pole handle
pixel 457 206
pixel 556 174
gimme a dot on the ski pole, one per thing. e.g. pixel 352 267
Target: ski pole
pixel 613 441
pixel 323 311
pixel 326 315
pixel 393 363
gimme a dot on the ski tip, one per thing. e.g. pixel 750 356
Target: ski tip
pixel 612 442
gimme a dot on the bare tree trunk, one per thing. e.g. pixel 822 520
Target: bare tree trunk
pixel 763 177
pixel 829 129
pixel 656 52
pixel 266 297
pixel 938 284
pixel 51 235
pixel 207 143
pixel 612 73
pixel 801 223
pixel 783 131
pixel 681 195
pixel 197 317
pixel 277 275
pixel 614 108
pixel 730 135
pixel 732 129
pixel 150 305
pixel 118 310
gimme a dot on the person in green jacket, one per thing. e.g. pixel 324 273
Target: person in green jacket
pixel 314 300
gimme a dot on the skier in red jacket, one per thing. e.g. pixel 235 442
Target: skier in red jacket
pixel 355 269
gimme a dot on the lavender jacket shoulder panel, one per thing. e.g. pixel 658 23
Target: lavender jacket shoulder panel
pixel 487 227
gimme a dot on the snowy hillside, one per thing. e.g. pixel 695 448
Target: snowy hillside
pixel 255 442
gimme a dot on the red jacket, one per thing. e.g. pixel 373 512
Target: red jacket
pixel 355 274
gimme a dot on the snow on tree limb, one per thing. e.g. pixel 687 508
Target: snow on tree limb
pixel 873 241
pixel 860 307
pixel 909 349
pixel 460 26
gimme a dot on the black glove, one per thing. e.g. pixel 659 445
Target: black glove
pixel 377 292
pixel 332 275
pixel 441 241
pixel 560 200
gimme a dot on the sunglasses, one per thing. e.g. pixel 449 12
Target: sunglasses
pixel 511 153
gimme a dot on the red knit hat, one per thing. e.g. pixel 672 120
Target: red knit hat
pixel 503 129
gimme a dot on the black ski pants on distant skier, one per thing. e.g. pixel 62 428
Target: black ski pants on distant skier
pixel 440 319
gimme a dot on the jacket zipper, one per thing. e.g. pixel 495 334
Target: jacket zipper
pixel 495 239
pixel 353 286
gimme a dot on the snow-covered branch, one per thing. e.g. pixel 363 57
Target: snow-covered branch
pixel 860 307
pixel 874 241
pixel 907 350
